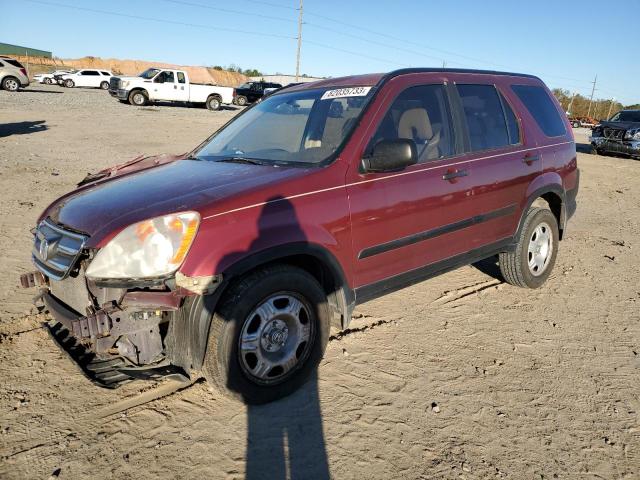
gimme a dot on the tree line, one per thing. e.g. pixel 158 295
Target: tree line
pixel 578 105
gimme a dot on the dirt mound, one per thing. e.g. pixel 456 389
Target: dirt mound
pixel 134 67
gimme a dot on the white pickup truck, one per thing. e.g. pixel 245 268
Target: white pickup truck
pixel 166 85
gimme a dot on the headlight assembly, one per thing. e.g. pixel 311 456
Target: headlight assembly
pixel 148 249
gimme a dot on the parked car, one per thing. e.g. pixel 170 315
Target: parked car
pixel 619 135
pixel 12 74
pixel 157 84
pixel 251 92
pixel 87 77
pixel 233 261
pixel 48 78
pixel 577 122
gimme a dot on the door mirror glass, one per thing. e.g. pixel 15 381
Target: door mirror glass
pixel 391 155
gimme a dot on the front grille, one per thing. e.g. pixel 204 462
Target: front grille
pixel 613 133
pixel 114 83
pixel 55 249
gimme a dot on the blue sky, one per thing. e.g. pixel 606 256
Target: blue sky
pixel 565 43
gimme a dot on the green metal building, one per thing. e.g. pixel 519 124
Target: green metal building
pixel 8 49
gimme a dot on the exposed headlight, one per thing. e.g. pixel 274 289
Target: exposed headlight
pixel 152 248
pixel 633 134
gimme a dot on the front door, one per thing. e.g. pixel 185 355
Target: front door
pixel 164 86
pixel 402 221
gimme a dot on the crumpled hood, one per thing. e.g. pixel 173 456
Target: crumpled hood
pixel 103 208
pixel 622 125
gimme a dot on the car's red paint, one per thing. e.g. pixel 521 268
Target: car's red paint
pixel 246 209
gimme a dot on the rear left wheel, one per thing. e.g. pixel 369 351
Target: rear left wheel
pixel 10 84
pixel 530 263
pixel 214 103
pixel 48 81
pixel 268 335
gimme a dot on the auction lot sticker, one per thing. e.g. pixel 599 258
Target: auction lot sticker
pixel 346 92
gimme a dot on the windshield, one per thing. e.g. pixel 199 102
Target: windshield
pixel 627 116
pixel 299 127
pixel 149 73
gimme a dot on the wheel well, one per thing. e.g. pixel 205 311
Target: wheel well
pixel 333 283
pixel 553 202
pixel 214 95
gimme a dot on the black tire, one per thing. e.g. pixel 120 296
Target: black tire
pixel 594 150
pixel 576 124
pixel 11 84
pixel 515 265
pixel 69 83
pixel 214 102
pixel 138 98
pixel 223 365
pixel 241 100
pixel 48 81
pixel 104 85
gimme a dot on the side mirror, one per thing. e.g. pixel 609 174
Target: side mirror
pixel 390 155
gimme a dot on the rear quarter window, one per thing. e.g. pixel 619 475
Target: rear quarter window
pixel 542 109
pixel 15 63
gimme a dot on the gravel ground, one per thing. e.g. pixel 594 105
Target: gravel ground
pixel 461 376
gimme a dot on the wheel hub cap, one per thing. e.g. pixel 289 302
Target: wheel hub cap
pixel 540 249
pixel 276 337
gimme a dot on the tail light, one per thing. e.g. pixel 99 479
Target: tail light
pixel 234 92
pixel 23 71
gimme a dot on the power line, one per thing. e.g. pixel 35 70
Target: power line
pixel 228 10
pixel 329 47
pixel 161 20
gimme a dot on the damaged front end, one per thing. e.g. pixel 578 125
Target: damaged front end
pixel 116 330
pixel 616 138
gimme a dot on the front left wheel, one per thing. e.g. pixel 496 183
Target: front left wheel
pixel 268 335
pixel 104 85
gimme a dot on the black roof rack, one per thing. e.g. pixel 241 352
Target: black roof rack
pixel 404 71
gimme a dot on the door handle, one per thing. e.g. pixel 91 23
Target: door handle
pixel 452 175
pixel 175 87
pixel 529 159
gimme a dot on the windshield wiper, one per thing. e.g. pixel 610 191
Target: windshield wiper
pixel 250 161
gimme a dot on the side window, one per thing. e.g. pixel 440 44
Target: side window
pixel 181 78
pixel 168 77
pixel 484 116
pixel 92 73
pixel 513 127
pixel 105 73
pixel 420 114
pixel 541 109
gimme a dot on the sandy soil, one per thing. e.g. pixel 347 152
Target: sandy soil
pixel 462 376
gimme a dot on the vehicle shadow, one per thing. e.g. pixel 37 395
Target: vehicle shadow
pixel 22 128
pixel 583 147
pixel 33 90
pixel 285 438
pixel 489 266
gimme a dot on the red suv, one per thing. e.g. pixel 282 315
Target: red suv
pixel 233 261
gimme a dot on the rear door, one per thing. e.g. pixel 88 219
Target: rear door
pixel 181 87
pixel 402 221
pixel 504 158
pixel 91 78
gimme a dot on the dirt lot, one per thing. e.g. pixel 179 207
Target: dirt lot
pixel 461 376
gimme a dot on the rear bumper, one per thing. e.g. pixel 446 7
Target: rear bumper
pixel 571 203
pixel 625 147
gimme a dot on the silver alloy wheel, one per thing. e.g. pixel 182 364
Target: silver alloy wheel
pixel 11 84
pixel 276 337
pixel 214 104
pixel 138 99
pixel 540 249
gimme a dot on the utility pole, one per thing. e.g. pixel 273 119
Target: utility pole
pixel 299 43
pixel 571 103
pixel 610 107
pixel 592 91
pixel 444 63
